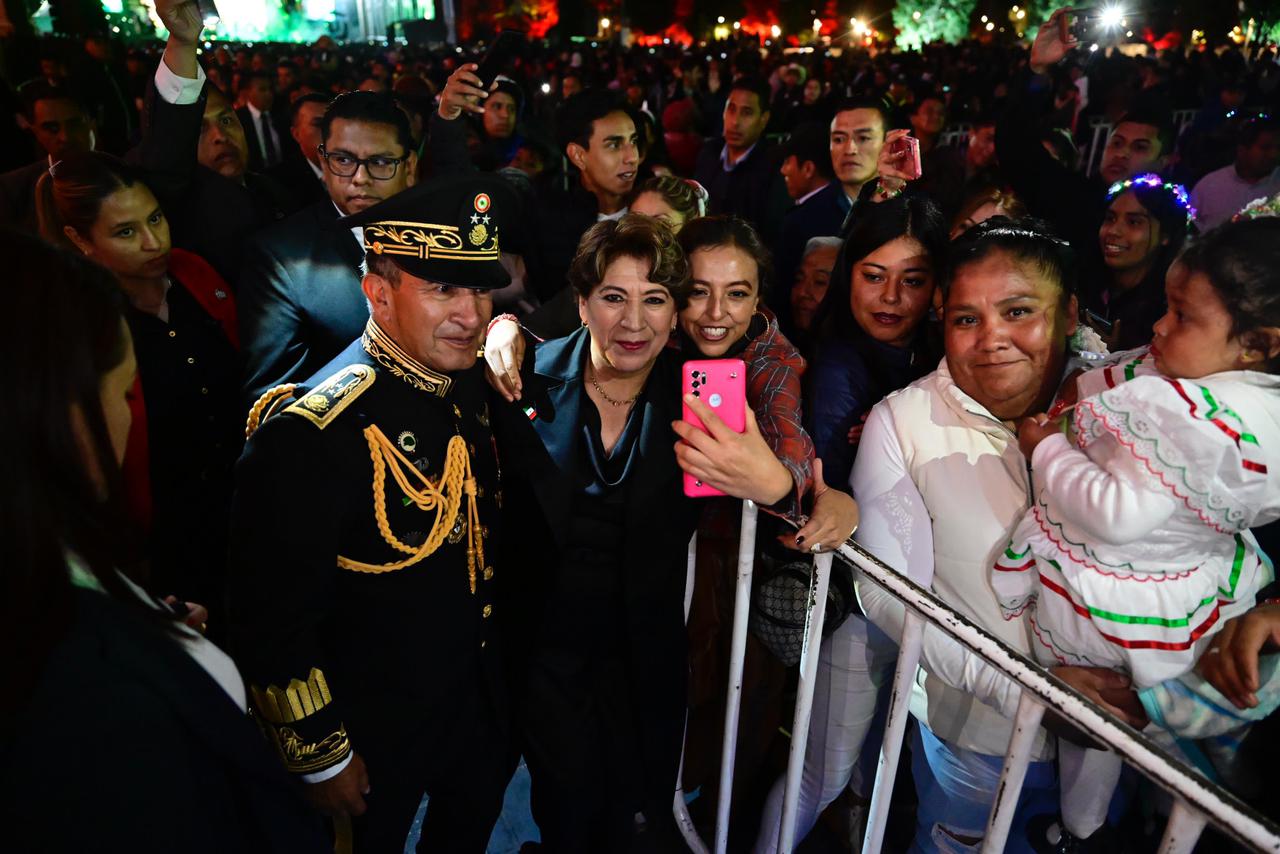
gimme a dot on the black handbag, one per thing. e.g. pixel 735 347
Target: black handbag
pixel 781 599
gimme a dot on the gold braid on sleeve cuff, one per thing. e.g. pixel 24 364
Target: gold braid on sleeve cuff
pixel 277 708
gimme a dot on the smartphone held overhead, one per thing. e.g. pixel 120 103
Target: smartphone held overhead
pixel 720 384
pixel 1087 23
pixel 506 45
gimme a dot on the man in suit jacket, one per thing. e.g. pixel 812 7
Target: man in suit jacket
pixel 819 209
pixel 194 150
pixel 299 298
pixel 264 133
pixel 61 126
pixel 300 172
pixel 740 169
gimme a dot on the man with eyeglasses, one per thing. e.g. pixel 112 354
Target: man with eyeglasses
pixel 299 294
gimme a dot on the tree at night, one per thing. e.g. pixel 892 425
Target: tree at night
pixel 920 22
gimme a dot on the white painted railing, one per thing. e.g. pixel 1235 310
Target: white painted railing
pixel 1196 800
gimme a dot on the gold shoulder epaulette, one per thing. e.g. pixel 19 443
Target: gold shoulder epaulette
pixel 324 402
pixel 266 406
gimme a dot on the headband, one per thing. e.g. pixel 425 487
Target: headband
pixel 1151 180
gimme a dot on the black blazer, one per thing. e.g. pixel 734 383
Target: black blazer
pixel 753 190
pixel 209 215
pixel 822 215
pixel 537 456
pixel 18 196
pixel 253 134
pixel 299 301
pixel 298 180
pixel 129 745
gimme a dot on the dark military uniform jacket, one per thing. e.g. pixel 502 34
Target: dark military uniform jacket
pixel 357 619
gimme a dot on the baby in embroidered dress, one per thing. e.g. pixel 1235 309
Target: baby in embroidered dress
pixel 1136 548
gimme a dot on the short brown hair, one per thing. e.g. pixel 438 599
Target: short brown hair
pixel 633 236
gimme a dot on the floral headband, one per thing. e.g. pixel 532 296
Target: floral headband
pixel 1153 181
pixel 1259 209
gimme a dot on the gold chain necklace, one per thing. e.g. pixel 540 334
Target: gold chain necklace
pixel 591 375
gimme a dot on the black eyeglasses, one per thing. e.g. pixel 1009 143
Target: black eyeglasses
pixel 346 165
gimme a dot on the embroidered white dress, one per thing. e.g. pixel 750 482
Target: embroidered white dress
pixel 1136 548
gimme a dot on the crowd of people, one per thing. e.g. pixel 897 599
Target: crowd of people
pixel 351 462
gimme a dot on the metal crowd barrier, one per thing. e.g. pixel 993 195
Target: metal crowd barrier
pixel 1196 801
pixel 1182 118
pixel 1101 133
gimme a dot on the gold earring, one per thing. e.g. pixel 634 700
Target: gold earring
pixel 584 324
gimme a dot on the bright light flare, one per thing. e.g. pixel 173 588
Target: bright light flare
pixel 1111 17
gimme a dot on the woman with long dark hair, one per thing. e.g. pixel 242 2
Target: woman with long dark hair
pixel 124 729
pixel 875 336
pixel 187 422
pixel 1145 225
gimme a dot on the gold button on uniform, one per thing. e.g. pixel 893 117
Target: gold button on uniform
pixel 173 334
pixel 488 573
pixel 488 609
pixel 191 360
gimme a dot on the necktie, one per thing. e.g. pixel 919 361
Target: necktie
pixel 268 141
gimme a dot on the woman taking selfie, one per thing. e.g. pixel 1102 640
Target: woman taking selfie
pixel 596 521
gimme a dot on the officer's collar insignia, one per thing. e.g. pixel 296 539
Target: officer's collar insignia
pixel 397 362
pixel 326 401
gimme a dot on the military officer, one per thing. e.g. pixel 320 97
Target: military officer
pixel 361 588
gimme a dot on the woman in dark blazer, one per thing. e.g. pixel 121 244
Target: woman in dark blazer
pixel 124 729
pixel 596 529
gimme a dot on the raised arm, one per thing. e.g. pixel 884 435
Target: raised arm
pixel 462 94
pixel 1050 189
pixel 174 105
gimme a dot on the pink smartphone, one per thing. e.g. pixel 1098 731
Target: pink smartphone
pixel 722 385
pixel 911 164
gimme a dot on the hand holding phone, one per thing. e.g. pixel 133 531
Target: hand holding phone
pixel 908 151
pixel 508 43
pixel 900 157
pixel 721 384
